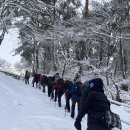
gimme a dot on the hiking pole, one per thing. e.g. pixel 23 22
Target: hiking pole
pixel 51 96
pixel 65 112
pixel 55 104
pixel 50 99
pixel 125 122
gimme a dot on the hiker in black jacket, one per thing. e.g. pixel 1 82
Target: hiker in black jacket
pixel 68 94
pixel 95 106
pixel 49 83
pixel 27 76
pixel 84 93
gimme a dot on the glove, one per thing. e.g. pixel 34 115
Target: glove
pixel 77 125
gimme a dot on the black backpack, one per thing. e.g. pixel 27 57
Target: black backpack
pixel 111 120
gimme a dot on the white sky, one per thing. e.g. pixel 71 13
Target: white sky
pixel 9 43
pixel 23 107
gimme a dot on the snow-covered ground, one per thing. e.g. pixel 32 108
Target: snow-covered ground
pixel 23 107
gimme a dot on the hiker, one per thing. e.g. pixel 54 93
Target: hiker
pixel 68 95
pixel 36 79
pixel 40 80
pixel 76 95
pixel 84 93
pixel 44 80
pixel 59 89
pixel 27 76
pixel 56 77
pixel 95 106
pixel 50 81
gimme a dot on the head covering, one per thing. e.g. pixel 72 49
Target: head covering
pixel 86 87
pixel 86 83
pixel 57 74
pixel 96 84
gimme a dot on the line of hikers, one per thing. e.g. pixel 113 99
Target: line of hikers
pixel 56 87
pixel 89 96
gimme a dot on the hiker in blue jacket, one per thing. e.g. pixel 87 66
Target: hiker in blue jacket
pixel 76 94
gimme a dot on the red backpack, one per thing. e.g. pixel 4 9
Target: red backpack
pixel 42 77
pixel 60 85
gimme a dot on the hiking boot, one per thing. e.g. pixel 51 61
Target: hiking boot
pixel 54 100
pixel 67 110
pixel 72 115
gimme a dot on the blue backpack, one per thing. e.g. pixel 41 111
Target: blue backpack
pixel 76 89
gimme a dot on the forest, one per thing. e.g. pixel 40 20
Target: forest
pixel 77 41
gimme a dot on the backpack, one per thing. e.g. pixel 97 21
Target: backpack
pixel 42 77
pixel 60 84
pixel 68 84
pixel 111 120
pixel 50 81
pixel 27 75
pixel 85 91
pixel 76 89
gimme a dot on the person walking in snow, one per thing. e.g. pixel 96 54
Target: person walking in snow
pixel 95 106
pixel 27 76
pixel 56 77
pixel 50 81
pixel 44 80
pixel 68 95
pixel 84 93
pixel 76 95
pixel 59 89
pixel 36 79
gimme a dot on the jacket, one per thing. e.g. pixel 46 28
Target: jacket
pixel 95 106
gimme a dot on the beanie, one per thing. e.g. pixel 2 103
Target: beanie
pixel 96 84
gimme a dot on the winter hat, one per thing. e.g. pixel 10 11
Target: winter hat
pixel 86 86
pixel 86 83
pixel 57 74
pixel 96 84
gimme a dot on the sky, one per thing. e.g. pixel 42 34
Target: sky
pixel 8 45
pixel 23 107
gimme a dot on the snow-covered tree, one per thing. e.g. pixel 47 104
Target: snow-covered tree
pixel 4 65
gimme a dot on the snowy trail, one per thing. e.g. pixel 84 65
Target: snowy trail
pixel 23 107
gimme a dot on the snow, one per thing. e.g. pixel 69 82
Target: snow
pixel 23 107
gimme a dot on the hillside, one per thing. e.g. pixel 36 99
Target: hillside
pixel 23 107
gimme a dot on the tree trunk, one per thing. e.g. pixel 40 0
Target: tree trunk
pixel 2 35
pixel 80 55
pixel 100 54
pixel 54 58
pixel 118 98
pixel 121 57
pixel 37 61
pixel 85 15
pixel 63 70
